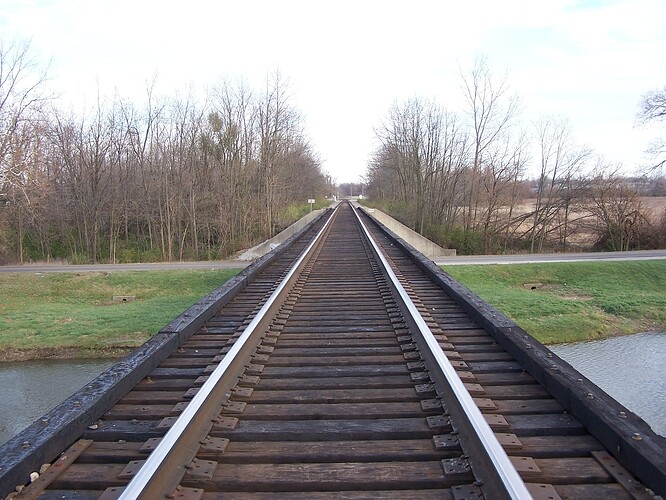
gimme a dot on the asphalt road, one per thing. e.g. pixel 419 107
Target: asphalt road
pixel 66 268
pixel 444 261
pixel 551 257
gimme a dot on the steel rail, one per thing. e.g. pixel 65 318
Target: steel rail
pixel 509 477
pixel 146 474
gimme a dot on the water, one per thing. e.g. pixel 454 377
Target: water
pixel 29 389
pixel 631 369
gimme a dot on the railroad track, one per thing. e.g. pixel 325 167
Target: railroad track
pixel 344 367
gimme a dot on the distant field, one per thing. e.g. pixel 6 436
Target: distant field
pixel 68 314
pixel 655 204
pixel 654 207
pixel 574 301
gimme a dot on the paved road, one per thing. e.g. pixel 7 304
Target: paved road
pixel 65 268
pixel 551 257
pixel 444 261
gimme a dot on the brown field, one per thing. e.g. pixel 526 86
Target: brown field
pixel 655 205
pixel 655 208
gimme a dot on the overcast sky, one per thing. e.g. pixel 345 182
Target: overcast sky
pixel 348 61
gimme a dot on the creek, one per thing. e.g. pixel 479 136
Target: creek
pixel 629 368
pixel 28 389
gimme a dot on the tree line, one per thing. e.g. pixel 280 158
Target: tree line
pixel 180 177
pixel 461 179
pixel 172 179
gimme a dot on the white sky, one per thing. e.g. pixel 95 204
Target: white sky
pixel 348 61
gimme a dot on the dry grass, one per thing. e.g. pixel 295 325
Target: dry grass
pixel 654 207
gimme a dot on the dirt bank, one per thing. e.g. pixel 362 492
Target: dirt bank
pixel 12 354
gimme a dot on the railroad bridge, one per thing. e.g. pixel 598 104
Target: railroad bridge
pixel 343 364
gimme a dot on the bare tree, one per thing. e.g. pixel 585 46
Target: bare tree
pixel 653 106
pixel 22 96
pixel 229 141
pixel 277 123
pixel 653 109
pixel 505 166
pixel 411 141
pixel 617 207
pixel 492 111
pixel 560 159
pixel 462 186
pixel 172 180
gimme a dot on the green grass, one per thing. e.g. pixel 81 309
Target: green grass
pixel 575 301
pixel 76 311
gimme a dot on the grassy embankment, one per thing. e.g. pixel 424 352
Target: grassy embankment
pixel 73 315
pixel 574 301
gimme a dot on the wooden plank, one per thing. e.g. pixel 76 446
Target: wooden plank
pixel 369 395
pixel 166 384
pixel 114 430
pixel 337 351
pixel 286 451
pixel 472 348
pixel 473 332
pixel 475 357
pixel 114 452
pixel 611 491
pixel 374 314
pixel 329 477
pixel 557 446
pixel 524 391
pixel 295 338
pixel 388 381
pixel 329 451
pixel 176 372
pixel 315 303
pixel 527 406
pixel 335 360
pixel 495 366
pixel 333 410
pixel 547 424
pixel 90 477
pixel 34 489
pixel 430 493
pixel 143 412
pixel 334 371
pixel 152 397
pixel 504 378
pixel 622 475
pixel 570 471
pixel 198 352
pixel 52 494
pixel 315 323
pixel 326 341
pixel 186 362
pixel 329 430
pixel 338 329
